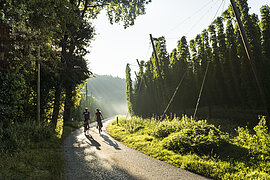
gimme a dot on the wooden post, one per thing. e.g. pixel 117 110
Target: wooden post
pixel 161 88
pixel 86 93
pixel 38 87
pixel 154 49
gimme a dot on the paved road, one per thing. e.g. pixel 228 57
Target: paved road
pixel 102 157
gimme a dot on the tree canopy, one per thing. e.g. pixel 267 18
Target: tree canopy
pixel 56 34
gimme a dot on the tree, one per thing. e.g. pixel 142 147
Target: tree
pixel 265 27
pixel 129 90
pixel 265 35
pixel 225 71
pixel 180 68
pixel 232 60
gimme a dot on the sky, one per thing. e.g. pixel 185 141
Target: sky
pixel 115 46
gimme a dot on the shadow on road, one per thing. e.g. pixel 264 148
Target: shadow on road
pixel 110 142
pixel 82 162
pixel 93 142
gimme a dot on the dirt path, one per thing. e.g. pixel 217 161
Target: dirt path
pixel 101 157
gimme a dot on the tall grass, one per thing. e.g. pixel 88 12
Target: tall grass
pixel 20 135
pixel 32 151
pixel 199 146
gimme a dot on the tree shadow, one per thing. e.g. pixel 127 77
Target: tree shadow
pixel 81 162
pixel 108 141
pixel 93 142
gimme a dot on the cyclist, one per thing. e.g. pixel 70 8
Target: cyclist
pixel 98 117
pixel 86 115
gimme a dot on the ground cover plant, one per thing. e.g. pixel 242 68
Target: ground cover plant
pixel 32 151
pixel 199 146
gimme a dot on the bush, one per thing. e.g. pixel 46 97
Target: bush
pixel 18 135
pixel 131 125
pixel 166 127
pixel 257 142
pixel 200 138
pixel 11 97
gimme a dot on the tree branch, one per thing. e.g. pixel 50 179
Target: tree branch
pixel 85 7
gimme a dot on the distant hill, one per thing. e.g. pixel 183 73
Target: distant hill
pixel 110 93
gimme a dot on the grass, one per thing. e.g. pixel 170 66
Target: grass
pixel 35 157
pixel 244 155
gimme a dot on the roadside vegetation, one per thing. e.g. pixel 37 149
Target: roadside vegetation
pixel 32 151
pixel 199 146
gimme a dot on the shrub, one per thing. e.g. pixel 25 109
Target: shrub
pixel 166 127
pixel 200 138
pixel 131 125
pixel 257 142
pixel 11 97
pixel 18 135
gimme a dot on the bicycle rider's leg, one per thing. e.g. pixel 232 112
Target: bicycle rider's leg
pixel 85 126
pixel 99 126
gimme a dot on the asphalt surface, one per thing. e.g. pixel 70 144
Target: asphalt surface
pixel 98 156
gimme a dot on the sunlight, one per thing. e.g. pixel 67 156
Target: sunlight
pixel 59 127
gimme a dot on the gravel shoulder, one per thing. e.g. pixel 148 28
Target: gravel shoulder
pixel 98 156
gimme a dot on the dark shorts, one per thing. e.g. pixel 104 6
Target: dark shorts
pixel 85 125
pixel 99 123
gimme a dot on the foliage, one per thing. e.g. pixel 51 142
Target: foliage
pixel 19 135
pixel 129 90
pixel 166 127
pixel 31 151
pixel 12 91
pixel 59 128
pixel 38 162
pixel 132 126
pixel 198 138
pixel 258 142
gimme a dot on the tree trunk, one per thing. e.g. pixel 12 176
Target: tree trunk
pixel 68 104
pixel 56 105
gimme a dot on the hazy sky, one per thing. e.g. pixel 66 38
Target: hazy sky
pixel 115 46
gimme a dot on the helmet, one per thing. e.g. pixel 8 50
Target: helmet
pixel 97 109
pixel 86 108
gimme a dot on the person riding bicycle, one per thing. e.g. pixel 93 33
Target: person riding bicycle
pixel 86 115
pixel 98 117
